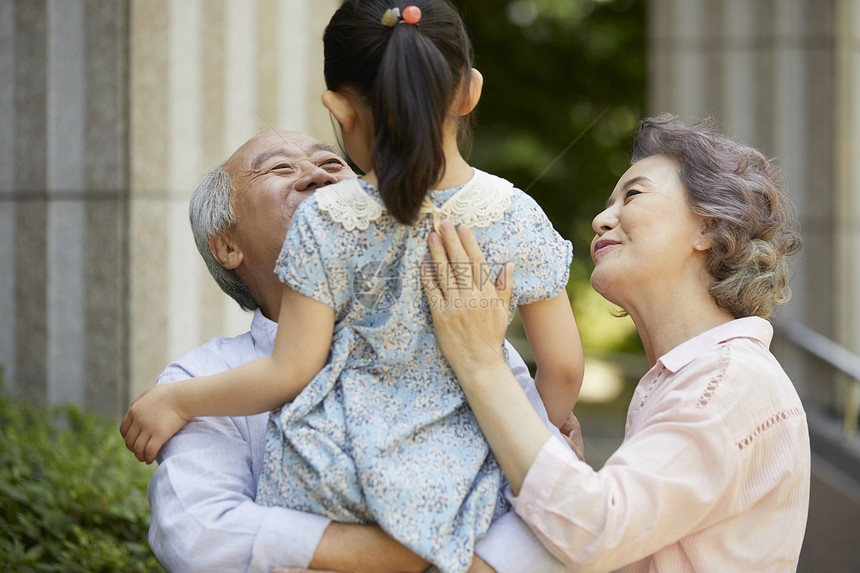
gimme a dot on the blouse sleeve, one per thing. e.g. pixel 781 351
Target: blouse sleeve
pixel 686 469
pixel 300 264
pixel 654 489
pixel 543 256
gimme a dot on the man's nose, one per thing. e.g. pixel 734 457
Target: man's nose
pixel 312 177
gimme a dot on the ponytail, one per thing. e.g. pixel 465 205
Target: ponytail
pixel 410 76
pixel 410 108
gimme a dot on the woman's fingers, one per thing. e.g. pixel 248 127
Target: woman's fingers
pixel 505 282
pixel 431 289
pixel 473 251
pixel 462 272
pixel 440 268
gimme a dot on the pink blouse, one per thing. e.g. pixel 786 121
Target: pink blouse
pixel 712 475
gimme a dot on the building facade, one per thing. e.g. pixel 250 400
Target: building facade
pixel 782 75
pixel 110 112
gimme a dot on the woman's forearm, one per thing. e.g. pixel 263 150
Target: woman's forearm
pixel 513 429
pixel 470 334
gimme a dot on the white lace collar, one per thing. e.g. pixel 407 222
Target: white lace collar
pixel 481 202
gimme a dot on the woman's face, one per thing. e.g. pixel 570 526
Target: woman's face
pixel 648 242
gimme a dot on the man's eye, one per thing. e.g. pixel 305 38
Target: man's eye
pixel 281 167
pixel 333 164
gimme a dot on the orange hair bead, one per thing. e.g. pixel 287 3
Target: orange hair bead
pixel 412 14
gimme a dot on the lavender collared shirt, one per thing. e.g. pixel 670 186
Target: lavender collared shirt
pixel 202 494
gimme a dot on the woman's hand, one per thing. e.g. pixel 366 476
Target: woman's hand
pixel 152 419
pixel 470 315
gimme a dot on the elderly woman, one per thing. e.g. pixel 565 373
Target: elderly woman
pixel 713 472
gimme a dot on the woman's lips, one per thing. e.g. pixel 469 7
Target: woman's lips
pixel 601 245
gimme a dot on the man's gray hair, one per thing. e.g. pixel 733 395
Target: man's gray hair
pixel 211 213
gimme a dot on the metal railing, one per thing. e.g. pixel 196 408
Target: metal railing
pixel 836 356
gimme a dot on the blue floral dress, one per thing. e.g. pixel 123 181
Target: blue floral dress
pixel 383 433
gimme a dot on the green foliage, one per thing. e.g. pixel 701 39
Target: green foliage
pixel 564 86
pixel 71 497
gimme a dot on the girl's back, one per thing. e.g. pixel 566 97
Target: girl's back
pixel 383 433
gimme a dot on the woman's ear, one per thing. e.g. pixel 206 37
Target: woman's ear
pixel 473 95
pixel 225 250
pixel 703 239
pixel 341 108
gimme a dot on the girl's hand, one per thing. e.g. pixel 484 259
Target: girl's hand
pixel 470 315
pixel 152 419
pixel 571 431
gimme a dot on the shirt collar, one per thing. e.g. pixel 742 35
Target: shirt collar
pixel 263 333
pixel 751 327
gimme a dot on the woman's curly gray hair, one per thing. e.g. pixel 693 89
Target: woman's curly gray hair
pixel 211 213
pixel 739 192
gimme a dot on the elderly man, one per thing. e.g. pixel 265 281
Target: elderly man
pixel 202 494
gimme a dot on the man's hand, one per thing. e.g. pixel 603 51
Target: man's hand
pixel 297 570
pixel 152 419
pixel 478 566
pixel 354 548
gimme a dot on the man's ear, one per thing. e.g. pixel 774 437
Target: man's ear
pixel 473 95
pixel 225 250
pixel 342 108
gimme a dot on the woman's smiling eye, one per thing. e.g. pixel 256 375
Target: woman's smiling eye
pixel 630 193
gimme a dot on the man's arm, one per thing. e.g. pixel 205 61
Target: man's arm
pixel 203 513
pixel 202 499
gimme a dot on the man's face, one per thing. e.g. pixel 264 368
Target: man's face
pixel 272 174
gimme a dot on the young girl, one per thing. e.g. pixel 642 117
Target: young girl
pixel 378 429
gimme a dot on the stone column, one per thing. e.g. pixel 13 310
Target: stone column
pixel 206 75
pixel 847 224
pixel 110 112
pixel 64 199
pixel 767 70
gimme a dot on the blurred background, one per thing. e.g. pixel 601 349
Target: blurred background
pixel 111 111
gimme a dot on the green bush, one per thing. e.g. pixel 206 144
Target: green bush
pixel 72 499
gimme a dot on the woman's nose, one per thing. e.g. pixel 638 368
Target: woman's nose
pixel 604 221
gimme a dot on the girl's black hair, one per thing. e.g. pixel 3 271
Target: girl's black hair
pixel 410 76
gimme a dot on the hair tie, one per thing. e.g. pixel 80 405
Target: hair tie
pixel 411 15
pixel 391 16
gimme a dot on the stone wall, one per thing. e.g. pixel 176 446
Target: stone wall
pixel 780 75
pixel 110 111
